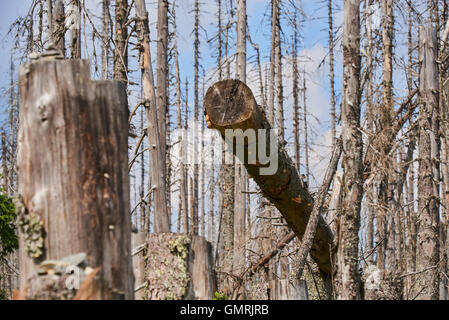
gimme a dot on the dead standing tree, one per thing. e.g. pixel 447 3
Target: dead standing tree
pixel 240 180
pixel 427 250
pixel 73 145
pixel 348 285
pixel 157 153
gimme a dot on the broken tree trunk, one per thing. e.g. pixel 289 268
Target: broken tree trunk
pixel 73 182
pixel 230 104
pixel 179 267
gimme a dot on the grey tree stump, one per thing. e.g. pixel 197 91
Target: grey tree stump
pixel 179 267
pixel 73 182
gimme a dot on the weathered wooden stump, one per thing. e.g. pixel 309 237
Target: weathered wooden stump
pixel 139 250
pixel 179 267
pixel 73 181
pixel 284 289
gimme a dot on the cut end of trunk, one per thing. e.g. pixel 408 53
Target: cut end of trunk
pixel 229 103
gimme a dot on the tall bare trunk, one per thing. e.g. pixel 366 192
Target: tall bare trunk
pixel 306 178
pixel 50 20
pixel 157 184
pixel 105 40
pixel 226 230
pixel 12 118
pixel 121 35
pixel 410 240
pixel 162 74
pixel 4 164
pixel 386 114
pixel 370 194
pixel 182 181
pixel 427 255
pixel 58 35
pixel 196 118
pixel 75 33
pixel 295 76
pixel 348 237
pixel 240 181
pixel 279 85
pixel 271 92
pixel 220 41
pixel 331 71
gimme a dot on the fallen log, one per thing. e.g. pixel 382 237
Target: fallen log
pixel 230 104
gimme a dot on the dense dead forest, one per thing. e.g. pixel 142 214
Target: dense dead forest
pixel 119 179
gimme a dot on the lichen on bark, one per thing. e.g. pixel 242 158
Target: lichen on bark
pixel 32 228
pixel 167 267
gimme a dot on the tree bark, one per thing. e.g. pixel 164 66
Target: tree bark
pixel 58 35
pixel 231 104
pixel 162 76
pixel 183 183
pixel 157 182
pixel 240 181
pixel 179 267
pixel 271 93
pixel 105 40
pixel 331 71
pixel 279 85
pixel 50 16
pixel 73 143
pixel 75 33
pixel 386 119
pixel 306 129
pixel 427 254
pixel 194 212
pixel 4 164
pixel 348 238
pixel 121 46
pixel 295 76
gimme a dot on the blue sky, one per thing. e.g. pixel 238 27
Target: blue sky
pixel 313 49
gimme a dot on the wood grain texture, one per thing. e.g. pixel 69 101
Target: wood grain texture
pixel 72 161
